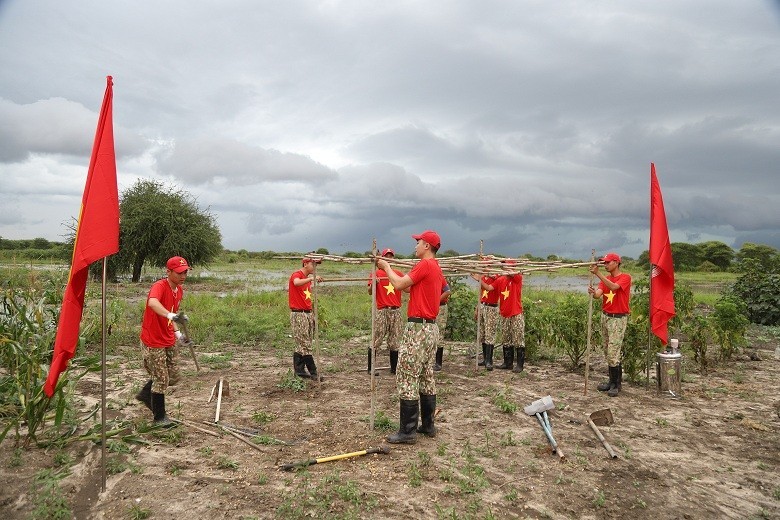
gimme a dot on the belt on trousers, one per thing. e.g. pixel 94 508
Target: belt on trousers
pixel 391 307
pixel 490 304
pixel 420 320
pixel 300 310
pixel 615 314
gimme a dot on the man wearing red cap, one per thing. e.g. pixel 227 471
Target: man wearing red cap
pixel 301 317
pixel 615 291
pixel 510 288
pixel 388 313
pixel 414 379
pixel 159 333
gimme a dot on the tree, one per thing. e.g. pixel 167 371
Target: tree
pixel 157 222
pixel 765 257
pixel 718 253
pixel 686 256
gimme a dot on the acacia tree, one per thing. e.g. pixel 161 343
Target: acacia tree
pixel 157 222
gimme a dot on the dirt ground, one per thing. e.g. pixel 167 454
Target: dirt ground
pixel 712 454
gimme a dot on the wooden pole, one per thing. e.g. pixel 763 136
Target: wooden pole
pixel 103 380
pixel 590 324
pixel 372 382
pixel 479 311
pixel 316 325
pixel 649 329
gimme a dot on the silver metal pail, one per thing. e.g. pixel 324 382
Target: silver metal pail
pixel 668 374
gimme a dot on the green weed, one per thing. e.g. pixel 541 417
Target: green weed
pixel 292 382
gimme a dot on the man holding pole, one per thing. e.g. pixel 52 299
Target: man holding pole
pixel 615 291
pixel 388 313
pixel 510 289
pixel 487 327
pixel 415 380
pixel 159 333
pixel 302 319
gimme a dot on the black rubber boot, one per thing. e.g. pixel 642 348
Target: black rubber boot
pixel 427 411
pixel 488 357
pixel 158 409
pixel 393 361
pixel 407 429
pixel 299 367
pixel 145 395
pixel 509 358
pixel 484 349
pixel 615 375
pixel 309 361
pixel 606 385
pixel 520 358
pixel 369 364
pixel 439 356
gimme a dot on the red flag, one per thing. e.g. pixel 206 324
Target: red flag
pixel 97 236
pixel 662 276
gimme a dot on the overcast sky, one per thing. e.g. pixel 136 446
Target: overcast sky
pixel 530 125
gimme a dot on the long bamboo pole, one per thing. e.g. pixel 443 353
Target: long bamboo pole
pixel 103 378
pixel 372 371
pixel 590 324
pixel 316 325
pixel 479 311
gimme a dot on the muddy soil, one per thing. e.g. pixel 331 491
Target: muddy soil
pixel 714 453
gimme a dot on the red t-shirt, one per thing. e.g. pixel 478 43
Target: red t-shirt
pixel 424 295
pixel 486 296
pixel 510 291
pixel 299 297
pixel 616 302
pixel 386 295
pixel 156 330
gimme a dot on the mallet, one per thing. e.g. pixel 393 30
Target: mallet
pixel 306 463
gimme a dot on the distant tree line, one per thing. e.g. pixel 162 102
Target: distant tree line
pixel 717 256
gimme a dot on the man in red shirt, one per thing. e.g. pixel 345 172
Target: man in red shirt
pixel 487 327
pixel 388 313
pixel 302 319
pixel 415 380
pixel 159 333
pixel 510 289
pixel 615 291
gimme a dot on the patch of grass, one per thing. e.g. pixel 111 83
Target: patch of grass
pixel 504 403
pixel 266 440
pixel 262 479
pixel 137 512
pixel 441 449
pixel 206 451
pixel 415 476
pixel 63 458
pixel 262 417
pixel 16 458
pixel 217 361
pixel 226 463
pixel 599 500
pixel 117 447
pixel 292 382
pixel 508 439
pixel 48 500
pixel 660 421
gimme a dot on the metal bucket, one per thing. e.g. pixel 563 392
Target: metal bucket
pixel 668 374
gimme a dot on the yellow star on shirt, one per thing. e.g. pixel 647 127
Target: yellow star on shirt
pixel 505 293
pixel 307 294
pixel 484 293
pixel 390 289
pixel 610 296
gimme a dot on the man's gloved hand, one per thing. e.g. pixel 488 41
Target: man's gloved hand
pixel 180 318
pixel 182 339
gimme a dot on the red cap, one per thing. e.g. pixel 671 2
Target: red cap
pixel 430 236
pixel 306 260
pixel 610 257
pixel 387 251
pixel 177 264
pixel 509 261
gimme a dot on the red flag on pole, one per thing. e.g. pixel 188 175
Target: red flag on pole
pixel 662 276
pixel 97 236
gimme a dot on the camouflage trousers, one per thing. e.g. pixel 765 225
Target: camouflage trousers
pixel 513 330
pixel 488 325
pixel 612 332
pixel 441 320
pixel 302 325
pixel 387 324
pixel 161 364
pixel 414 375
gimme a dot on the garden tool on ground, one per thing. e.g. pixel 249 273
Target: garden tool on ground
pixel 602 418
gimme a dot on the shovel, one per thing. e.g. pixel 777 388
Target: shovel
pixel 602 418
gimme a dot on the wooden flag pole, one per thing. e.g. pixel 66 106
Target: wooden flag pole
pixel 316 326
pixel 373 335
pixel 590 324
pixel 479 311
pixel 103 380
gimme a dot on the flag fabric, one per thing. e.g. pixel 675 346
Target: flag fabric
pixel 662 275
pixel 97 236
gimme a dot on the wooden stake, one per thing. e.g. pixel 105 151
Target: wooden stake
pixel 590 324
pixel 372 382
